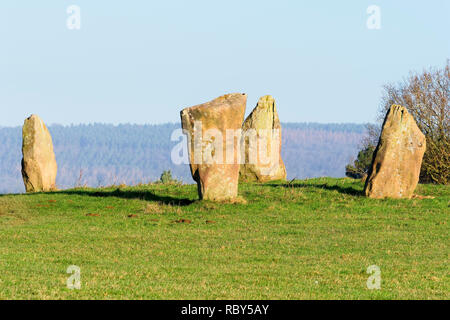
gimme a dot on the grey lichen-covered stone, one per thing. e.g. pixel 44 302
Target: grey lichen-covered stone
pixel 217 177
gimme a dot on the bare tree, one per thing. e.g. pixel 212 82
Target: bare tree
pixel 426 96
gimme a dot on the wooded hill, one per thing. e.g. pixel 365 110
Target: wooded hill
pixel 103 154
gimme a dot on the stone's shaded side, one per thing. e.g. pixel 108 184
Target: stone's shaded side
pixel 263 119
pixel 395 168
pixel 216 180
pixel 38 164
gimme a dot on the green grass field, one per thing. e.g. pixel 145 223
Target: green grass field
pixel 312 239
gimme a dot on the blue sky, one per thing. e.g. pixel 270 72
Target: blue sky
pixel 143 61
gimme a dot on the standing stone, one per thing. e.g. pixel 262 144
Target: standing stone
pixel 395 168
pixel 38 164
pixel 261 138
pixel 214 152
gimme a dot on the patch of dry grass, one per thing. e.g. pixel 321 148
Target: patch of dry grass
pixel 13 211
pixel 161 208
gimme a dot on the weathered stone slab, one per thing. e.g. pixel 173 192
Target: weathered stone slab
pixel 39 166
pixel 397 160
pixel 261 138
pixel 213 131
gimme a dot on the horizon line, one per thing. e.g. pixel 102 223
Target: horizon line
pixel 179 123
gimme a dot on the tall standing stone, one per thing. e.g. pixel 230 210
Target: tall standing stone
pixel 213 131
pixel 261 138
pixel 397 160
pixel 38 164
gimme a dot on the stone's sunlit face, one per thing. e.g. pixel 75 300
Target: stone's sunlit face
pixel 397 162
pixel 262 144
pixel 206 126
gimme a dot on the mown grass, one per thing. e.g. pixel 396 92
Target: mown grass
pixel 311 239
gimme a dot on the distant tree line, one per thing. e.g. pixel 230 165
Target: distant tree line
pixel 103 154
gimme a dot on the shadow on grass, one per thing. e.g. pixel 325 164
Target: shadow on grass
pixel 125 194
pixel 345 190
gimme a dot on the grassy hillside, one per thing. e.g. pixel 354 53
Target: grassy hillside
pixel 310 239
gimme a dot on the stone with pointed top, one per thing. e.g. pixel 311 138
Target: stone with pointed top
pixel 39 166
pixel 261 140
pixel 397 160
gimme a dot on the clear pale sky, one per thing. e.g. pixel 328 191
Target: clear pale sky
pixel 141 61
